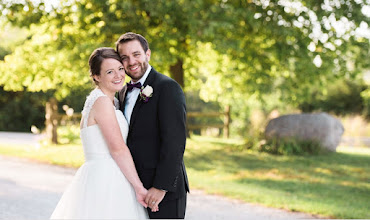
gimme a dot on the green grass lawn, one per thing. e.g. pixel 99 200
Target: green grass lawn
pixel 335 185
pixel 64 155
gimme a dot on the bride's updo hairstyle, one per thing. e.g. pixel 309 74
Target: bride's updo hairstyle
pixel 97 57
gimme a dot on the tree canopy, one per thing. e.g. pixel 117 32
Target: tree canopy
pixel 228 50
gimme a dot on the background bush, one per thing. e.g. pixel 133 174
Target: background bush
pixel 291 147
pixel 20 110
pixel 343 97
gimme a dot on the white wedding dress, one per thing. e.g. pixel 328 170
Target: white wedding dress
pixel 99 190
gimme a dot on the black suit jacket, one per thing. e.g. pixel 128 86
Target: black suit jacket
pixel 157 136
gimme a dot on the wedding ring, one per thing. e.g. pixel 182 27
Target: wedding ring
pixel 153 202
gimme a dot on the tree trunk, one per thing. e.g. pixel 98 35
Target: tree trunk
pixel 51 122
pixel 177 72
pixel 227 122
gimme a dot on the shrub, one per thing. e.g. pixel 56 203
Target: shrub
pixel 366 102
pixel 343 97
pixel 251 142
pixel 291 147
pixel 20 110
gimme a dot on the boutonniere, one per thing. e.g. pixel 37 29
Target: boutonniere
pixel 146 93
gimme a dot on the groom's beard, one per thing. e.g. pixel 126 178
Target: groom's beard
pixel 143 67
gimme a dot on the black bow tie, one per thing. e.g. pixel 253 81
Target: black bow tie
pixel 130 86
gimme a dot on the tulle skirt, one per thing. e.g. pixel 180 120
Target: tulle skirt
pixel 99 190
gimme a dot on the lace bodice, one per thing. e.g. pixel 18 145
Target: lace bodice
pixel 90 100
pixel 94 144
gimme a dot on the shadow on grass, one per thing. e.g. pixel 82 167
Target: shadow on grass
pixel 331 165
pixel 336 184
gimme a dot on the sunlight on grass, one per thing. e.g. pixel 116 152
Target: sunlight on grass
pixel 353 150
pixel 66 155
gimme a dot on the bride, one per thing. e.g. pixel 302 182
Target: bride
pixel 107 185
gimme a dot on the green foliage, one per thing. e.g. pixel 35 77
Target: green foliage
pixel 10 37
pixel 366 97
pixel 265 40
pixel 232 51
pixel 76 98
pixel 51 69
pixel 195 104
pixel 69 134
pixel 291 147
pixel 251 142
pixel 3 53
pixel 341 97
pixel 20 110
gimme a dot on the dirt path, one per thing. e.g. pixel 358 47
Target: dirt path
pixel 30 190
pixel 19 138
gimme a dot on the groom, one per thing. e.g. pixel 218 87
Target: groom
pixel 156 138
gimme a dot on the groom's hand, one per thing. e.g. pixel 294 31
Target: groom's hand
pixel 154 197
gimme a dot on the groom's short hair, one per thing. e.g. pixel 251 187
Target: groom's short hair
pixel 130 36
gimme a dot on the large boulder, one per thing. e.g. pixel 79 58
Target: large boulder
pixel 320 127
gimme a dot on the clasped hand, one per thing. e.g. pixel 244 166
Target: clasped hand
pixel 153 198
pixel 150 198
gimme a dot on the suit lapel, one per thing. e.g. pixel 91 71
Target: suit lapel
pixel 122 98
pixel 139 102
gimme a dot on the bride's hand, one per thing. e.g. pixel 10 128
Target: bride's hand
pixel 140 196
pixel 154 197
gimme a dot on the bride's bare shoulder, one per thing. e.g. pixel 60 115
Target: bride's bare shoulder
pixel 103 103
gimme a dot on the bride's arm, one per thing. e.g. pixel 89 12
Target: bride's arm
pixel 105 117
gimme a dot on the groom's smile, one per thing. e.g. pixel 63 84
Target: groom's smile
pixel 133 68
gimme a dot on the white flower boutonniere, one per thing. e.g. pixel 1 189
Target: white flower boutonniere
pixel 146 93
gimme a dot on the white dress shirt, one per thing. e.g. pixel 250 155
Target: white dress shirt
pixel 132 95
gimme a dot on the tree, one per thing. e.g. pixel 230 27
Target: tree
pixel 231 50
pixel 288 47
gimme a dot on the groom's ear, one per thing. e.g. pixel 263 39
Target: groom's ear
pixel 148 53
